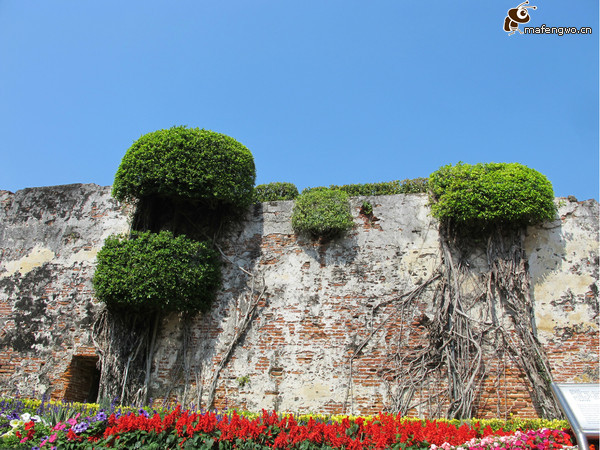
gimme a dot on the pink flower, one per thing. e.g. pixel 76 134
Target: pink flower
pixel 73 420
pixel 52 438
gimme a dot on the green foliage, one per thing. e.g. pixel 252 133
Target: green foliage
pixel 150 272
pixel 355 190
pixel 479 196
pixel 275 191
pixel 243 380
pixel 322 213
pixel 187 163
pixel 366 209
pixel 413 186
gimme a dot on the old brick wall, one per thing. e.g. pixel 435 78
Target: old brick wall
pixel 563 261
pixel 322 303
pixel 49 238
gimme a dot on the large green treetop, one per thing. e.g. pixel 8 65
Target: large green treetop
pixel 483 195
pixel 190 164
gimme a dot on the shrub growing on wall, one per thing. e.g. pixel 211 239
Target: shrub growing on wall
pixel 415 185
pixel 482 195
pixel 275 191
pixel 187 163
pixel 322 213
pixel 482 210
pixel 156 272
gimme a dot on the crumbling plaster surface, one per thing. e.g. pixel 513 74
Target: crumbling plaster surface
pixel 563 265
pixel 49 239
pixel 321 300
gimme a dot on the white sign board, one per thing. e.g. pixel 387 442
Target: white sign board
pixel 583 400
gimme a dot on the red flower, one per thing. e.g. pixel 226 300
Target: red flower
pixel 281 441
pixel 72 436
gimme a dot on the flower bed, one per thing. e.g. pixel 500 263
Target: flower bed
pixel 73 426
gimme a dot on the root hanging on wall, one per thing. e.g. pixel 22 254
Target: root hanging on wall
pixel 247 307
pixel 124 343
pixel 478 316
pixel 509 282
pixel 440 370
pixel 181 376
pixel 399 305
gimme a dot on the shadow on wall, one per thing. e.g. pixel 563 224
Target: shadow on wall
pixel 545 250
pixel 30 313
pixel 341 251
pixel 563 270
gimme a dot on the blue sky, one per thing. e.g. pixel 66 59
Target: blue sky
pixel 322 92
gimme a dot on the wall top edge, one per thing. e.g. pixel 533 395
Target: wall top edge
pixel 73 186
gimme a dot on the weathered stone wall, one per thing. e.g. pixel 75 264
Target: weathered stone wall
pixel 49 238
pixel 563 264
pixel 322 303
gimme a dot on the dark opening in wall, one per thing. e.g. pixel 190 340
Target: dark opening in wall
pixel 83 379
pixel 193 218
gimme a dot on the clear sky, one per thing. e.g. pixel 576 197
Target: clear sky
pixel 322 92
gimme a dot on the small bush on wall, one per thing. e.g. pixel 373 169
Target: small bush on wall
pixel 481 195
pixel 322 213
pixel 412 186
pixel 415 185
pixel 156 272
pixel 187 163
pixel 275 191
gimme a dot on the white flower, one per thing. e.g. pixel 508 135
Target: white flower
pixel 8 434
pixel 37 418
pixel 26 417
pixel 16 423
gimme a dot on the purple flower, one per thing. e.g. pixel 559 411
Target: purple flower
pixel 80 427
pixel 143 412
pixel 100 417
